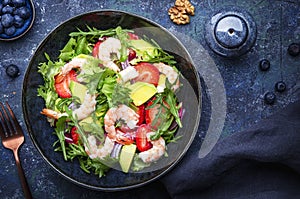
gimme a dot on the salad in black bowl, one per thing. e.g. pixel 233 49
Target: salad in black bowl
pixel 119 100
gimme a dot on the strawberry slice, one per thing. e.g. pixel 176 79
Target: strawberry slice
pixel 72 75
pixel 141 138
pixel 95 50
pixel 62 88
pixel 133 36
pixel 155 115
pixel 141 113
pixel 147 73
pixel 62 84
pixel 74 135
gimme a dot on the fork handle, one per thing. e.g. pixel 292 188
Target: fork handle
pixel 24 184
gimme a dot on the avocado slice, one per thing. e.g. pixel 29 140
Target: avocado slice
pixel 141 92
pixel 85 124
pixel 126 157
pixel 161 83
pixel 142 45
pixel 78 90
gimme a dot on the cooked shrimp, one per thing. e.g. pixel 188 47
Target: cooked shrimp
pixel 170 73
pixel 123 113
pixel 157 151
pixel 107 48
pixel 94 151
pixel 86 108
pixel 52 114
pixel 76 62
pixel 111 65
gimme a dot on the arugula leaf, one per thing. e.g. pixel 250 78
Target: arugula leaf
pixel 68 52
pixel 93 33
pixel 101 108
pixel 154 54
pixel 60 132
pixel 174 106
pixel 82 46
pixel 120 95
pixel 108 89
pixel 138 164
pixel 75 46
pixel 167 97
pixel 94 128
pixel 99 167
pixel 116 93
pixel 75 150
pixel 47 91
pixel 61 104
pixel 92 82
pixel 123 37
pixel 162 56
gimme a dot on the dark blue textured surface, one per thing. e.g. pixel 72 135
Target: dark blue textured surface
pixel 278 25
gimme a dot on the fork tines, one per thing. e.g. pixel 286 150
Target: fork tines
pixel 8 122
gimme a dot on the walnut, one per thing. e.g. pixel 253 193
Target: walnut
pixel 189 8
pixel 180 12
pixel 180 3
pixel 178 15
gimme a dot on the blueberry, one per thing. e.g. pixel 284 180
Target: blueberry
pixel 10 30
pixel 7 20
pixel 18 3
pixel 7 9
pixel 294 49
pixel 18 21
pixel 264 65
pixel 280 86
pixel 270 98
pixel 23 12
pixel 1 6
pixel 12 71
pixel 6 2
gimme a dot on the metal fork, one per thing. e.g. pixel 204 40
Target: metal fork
pixel 12 138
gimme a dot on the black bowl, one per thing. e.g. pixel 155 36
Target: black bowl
pixel 41 133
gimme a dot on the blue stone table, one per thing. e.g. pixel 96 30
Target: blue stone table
pixel 233 89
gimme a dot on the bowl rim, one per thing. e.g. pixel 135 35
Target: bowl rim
pixel 126 187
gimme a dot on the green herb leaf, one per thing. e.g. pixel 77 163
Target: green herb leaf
pixel 68 52
pixel 120 95
pixel 60 132
pixel 138 164
pixel 123 37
